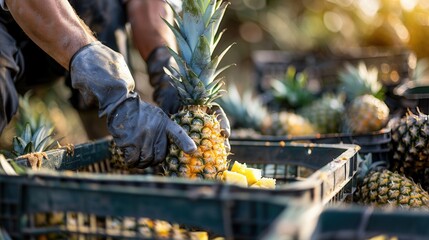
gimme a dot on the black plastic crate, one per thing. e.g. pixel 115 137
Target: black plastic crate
pixel 377 143
pixel 92 198
pixel 351 222
pixel 330 168
pixel 413 96
pixel 395 65
pixel 90 206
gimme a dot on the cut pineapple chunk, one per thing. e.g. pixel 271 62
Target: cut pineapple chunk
pixel 252 175
pixel 239 168
pixel 199 235
pixel 234 178
pixel 267 183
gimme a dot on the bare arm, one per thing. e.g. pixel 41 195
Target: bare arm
pixel 148 29
pixel 53 26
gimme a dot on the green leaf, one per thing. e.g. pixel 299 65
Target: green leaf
pixel 202 56
pixel 29 148
pixel 6 167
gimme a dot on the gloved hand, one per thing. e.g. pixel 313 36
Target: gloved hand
pixel 165 95
pixel 224 124
pixel 138 128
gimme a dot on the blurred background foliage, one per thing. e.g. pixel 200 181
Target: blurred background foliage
pixel 333 25
pixel 321 27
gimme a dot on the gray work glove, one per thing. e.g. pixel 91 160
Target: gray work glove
pixel 138 128
pixel 166 96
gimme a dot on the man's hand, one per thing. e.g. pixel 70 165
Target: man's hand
pixel 164 94
pixel 138 128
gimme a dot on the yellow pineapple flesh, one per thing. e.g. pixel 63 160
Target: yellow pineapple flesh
pixel 267 183
pixel 234 178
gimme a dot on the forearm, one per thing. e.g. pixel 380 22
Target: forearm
pixel 53 26
pixel 148 29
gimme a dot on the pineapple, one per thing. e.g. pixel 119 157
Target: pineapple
pixel 250 114
pixel 32 145
pixel 31 114
pixel 234 178
pixel 365 112
pixel 291 91
pixel 410 141
pixel 34 134
pixel 359 80
pixel 245 176
pixel 381 187
pixel 198 86
pixel 287 123
pixel 239 168
pixel 265 183
pixel 252 175
pixel 325 113
pixel 244 111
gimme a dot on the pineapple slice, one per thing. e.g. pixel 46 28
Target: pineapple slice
pixel 239 168
pixel 266 183
pixel 199 235
pixel 252 175
pixel 234 178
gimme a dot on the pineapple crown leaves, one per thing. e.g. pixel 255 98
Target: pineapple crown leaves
pixel 292 88
pixel 196 76
pixel 360 80
pixel 30 114
pixel 245 110
pixel 9 167
pixel 39 141
pixel 366 165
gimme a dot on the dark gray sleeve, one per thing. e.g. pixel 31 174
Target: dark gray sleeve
pixel 3 5
pixel 11 64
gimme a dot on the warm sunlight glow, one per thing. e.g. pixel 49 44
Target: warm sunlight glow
pixel 409 4
pixel 369 7
pixel 333 21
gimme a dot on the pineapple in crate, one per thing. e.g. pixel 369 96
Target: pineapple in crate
pixel 410 142
pixel 381 187
pixel 34 134
pixel 291 92
pixel 251 117
pixel 325 113
pixel 366 110
pixel 198 85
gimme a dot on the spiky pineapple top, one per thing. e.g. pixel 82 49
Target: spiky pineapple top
pixel 292 90
pixel 359 80
pixel 244 110
pixel 33 141
pixel 196 75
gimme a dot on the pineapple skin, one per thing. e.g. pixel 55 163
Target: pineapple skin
pixel 410 146
pixel 390 189
pixel 210 159
pixel 366 114
pixel 287 123
pixel 325 113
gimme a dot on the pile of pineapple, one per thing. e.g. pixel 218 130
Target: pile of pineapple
pixel 404 181
pixel 356 105
pixel 244 176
